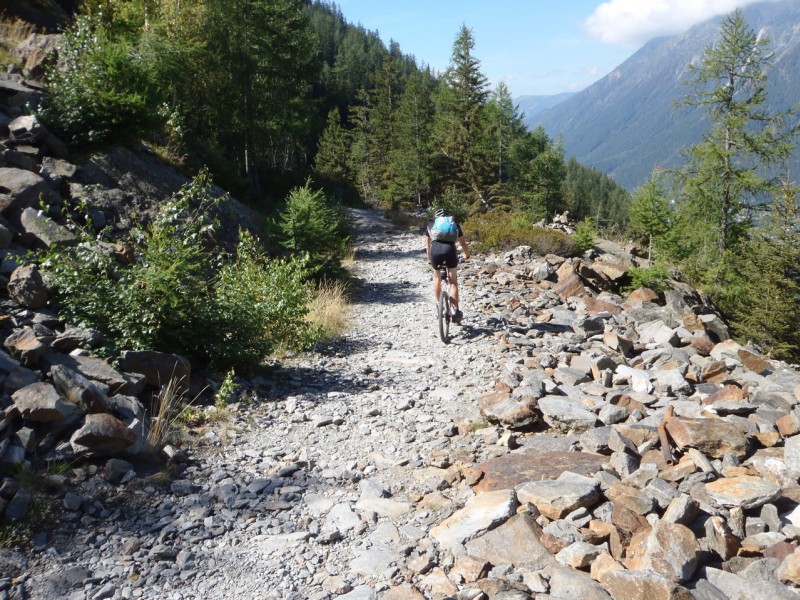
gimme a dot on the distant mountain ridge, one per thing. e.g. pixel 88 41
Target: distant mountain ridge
pixel 627 123
pixel 530 106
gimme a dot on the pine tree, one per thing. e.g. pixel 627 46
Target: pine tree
pixel 505 126
pixel 333 151
pixel 263 58
pixel 536 170
pixel 768 310
pixel 461 128
pixel 726 173
pixel 650 213
pixel 411 159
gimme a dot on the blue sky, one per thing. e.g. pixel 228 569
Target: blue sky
pixel 538 47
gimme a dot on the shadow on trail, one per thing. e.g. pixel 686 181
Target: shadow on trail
pixel 470 332
pixel 386 293
pixel 377 254
pixel 551 328
pixel 318 383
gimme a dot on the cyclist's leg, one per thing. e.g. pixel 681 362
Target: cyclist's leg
pixel 438 256
pixel 437 285
pixel 453 274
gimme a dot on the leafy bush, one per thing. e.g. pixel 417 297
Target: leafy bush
pixel 500 230
pixel 654 277
pixel 261 307
pixel 100 92
pixel 310 223
pixel 585 234
pixel 162 299
pixel 181 295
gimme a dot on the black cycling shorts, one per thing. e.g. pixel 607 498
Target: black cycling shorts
pixel 443 254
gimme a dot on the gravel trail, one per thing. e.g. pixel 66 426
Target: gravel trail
pixel 325 486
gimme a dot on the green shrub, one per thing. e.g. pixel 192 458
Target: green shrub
pixel 100 92
pixel 161 300
pixel 500 230
pixel 181 295
pixel 653 277
pixel 261 306
pixel 585 234
pixel 310 223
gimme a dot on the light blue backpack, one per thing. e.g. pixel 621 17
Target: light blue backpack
pixel 445 229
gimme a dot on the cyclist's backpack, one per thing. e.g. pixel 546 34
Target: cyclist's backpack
pixel 445 229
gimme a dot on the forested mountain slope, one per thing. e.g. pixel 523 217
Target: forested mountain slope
pixel 628 123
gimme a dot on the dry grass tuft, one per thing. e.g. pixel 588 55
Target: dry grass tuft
pixel 169 410
pixel 329 309
pixel 12 33
pixel 349 258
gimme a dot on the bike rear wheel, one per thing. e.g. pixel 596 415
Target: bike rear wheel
pixel 443 316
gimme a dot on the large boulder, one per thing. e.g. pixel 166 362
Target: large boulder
pixel 669 549
pixel 102 435
pixel 21 189
pixel 27 288
pixel 78 389
pixel 501 407
pixel 36 52
pixel 42 232
pixel 158 368
pixel 29 129
pixel 132 185
pixel 482 513
pixel 41 403
pixel 99 370
pixel 26 345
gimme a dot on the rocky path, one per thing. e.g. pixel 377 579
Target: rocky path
pixel 312 491
pixel 635 452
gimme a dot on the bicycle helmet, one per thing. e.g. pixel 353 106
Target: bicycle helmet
pixel 442 212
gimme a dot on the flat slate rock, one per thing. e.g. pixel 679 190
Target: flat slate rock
pixel 514 542
pixel 511 470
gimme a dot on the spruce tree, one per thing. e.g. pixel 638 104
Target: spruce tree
pixel 333 151
pixel 461 129
pixel 262 56
pixel 411 157
pixel 728 172
pixel 650 213
pixel 768 308
pixel 505 127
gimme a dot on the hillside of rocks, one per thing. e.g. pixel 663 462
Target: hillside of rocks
pixel 60 402
pixel 568 443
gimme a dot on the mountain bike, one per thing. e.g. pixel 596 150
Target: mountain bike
pixel 444 309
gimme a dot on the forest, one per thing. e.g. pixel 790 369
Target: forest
pixel 269 94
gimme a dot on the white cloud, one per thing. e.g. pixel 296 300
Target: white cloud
pixel 634 22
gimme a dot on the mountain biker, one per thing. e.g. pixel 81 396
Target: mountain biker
pixel 443 252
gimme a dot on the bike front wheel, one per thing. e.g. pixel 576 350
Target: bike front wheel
pixel 443 316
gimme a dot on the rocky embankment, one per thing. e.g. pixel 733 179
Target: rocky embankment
pixel 60 403
pixel 569 443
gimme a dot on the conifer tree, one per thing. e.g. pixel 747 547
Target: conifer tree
pixel 649 213
pixel 263 58
pixel 333 152
pixel 461 128
pixel 726 172
pixel 411 158
pixel 768 309
pixel 536 172
pixel 505 126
